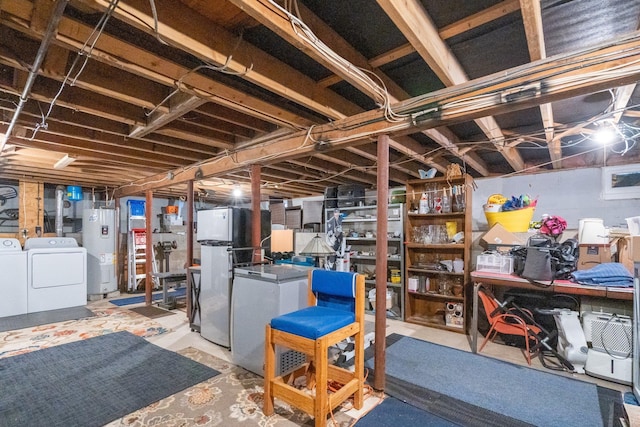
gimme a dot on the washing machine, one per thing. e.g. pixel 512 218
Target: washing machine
pixel 56 273
pixel 13 284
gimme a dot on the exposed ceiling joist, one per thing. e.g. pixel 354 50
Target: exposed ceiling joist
pixel 563 76
pixel 414 22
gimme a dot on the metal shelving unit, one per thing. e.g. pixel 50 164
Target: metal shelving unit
pixel 357 222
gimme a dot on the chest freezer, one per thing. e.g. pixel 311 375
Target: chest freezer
pixel 261 293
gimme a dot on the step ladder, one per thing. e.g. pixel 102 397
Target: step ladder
pixel 137 245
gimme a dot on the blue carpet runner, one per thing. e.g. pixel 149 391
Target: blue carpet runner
pixel 91 382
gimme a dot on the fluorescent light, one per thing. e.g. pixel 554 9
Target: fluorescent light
pixel 64 162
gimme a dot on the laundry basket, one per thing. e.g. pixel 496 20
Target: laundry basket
pixel 514 221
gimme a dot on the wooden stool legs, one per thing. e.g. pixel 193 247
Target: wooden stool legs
pixel 269 371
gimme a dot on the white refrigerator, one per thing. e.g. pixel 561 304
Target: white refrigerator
pixel 215 293
pixel 225 238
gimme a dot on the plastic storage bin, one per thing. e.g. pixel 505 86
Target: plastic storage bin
pixel 495 263
pixel 514 221
pixel 136 207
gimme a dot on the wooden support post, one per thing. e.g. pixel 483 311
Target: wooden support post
pixel 381 261
pixel 30 209
pixel 190 221
pixel 190 228
pixel 256 171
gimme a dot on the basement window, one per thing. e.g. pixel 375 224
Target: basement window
pixel 621 182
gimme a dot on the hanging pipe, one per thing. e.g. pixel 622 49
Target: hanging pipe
pixel 42 51
pixel 59 210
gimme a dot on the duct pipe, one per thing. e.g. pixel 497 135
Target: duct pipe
pixel 59 209
pixel 42 51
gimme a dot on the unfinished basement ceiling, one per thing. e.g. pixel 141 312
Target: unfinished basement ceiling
pixel 150 95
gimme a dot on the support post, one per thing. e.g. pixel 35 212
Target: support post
pixel 381 261
pixel 148 263
pixel 190 229
pixel 255 211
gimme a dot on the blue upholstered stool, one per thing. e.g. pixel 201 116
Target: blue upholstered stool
pixel 335 312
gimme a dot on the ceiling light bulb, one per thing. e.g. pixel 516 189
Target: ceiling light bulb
pixel 604 135
pixel 237 192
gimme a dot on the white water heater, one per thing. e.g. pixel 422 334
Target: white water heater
pixel 99 239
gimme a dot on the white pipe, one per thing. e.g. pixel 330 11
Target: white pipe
pixel 59 209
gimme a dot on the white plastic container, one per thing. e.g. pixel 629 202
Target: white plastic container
pixel 634 225
pixel 591 231
pixel 372 298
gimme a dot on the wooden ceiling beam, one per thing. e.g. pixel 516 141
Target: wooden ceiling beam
pixel 180 103
pixel 621 97
pixel 532 20
pixel 182 131
pixel 564 76
pixel 280 22
pixel 465 24
pixel 405 165
pixel 333 171
pixel 340 46
pixel 19 173
pixel 112 51
pixel 180 26
pixel 312 164
pixel 207 122
pixel 66 144
pixel 83 122
pixel 416 25
pixel 229 115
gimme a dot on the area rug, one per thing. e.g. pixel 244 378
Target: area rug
pixel 456 385
pixel 92 382
pixel 233 398
pixel 156 296
pixel 151 311
pixel 107 319
pixel 30 320
pixel 394 412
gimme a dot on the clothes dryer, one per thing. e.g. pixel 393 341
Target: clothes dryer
pixel 13 285
pixel 56 273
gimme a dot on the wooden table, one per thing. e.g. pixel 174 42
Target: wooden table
pixel 559 286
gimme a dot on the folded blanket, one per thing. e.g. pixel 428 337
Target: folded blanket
pixel 607 274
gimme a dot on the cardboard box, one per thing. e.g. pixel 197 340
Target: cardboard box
pixel 592 255
pixel 624 253
pixel 634 251
pixel 500 239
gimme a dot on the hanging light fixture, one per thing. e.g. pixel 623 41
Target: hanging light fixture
pixel 317 248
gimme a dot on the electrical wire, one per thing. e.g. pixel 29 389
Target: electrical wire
pixel 92 39
pixel 379 93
